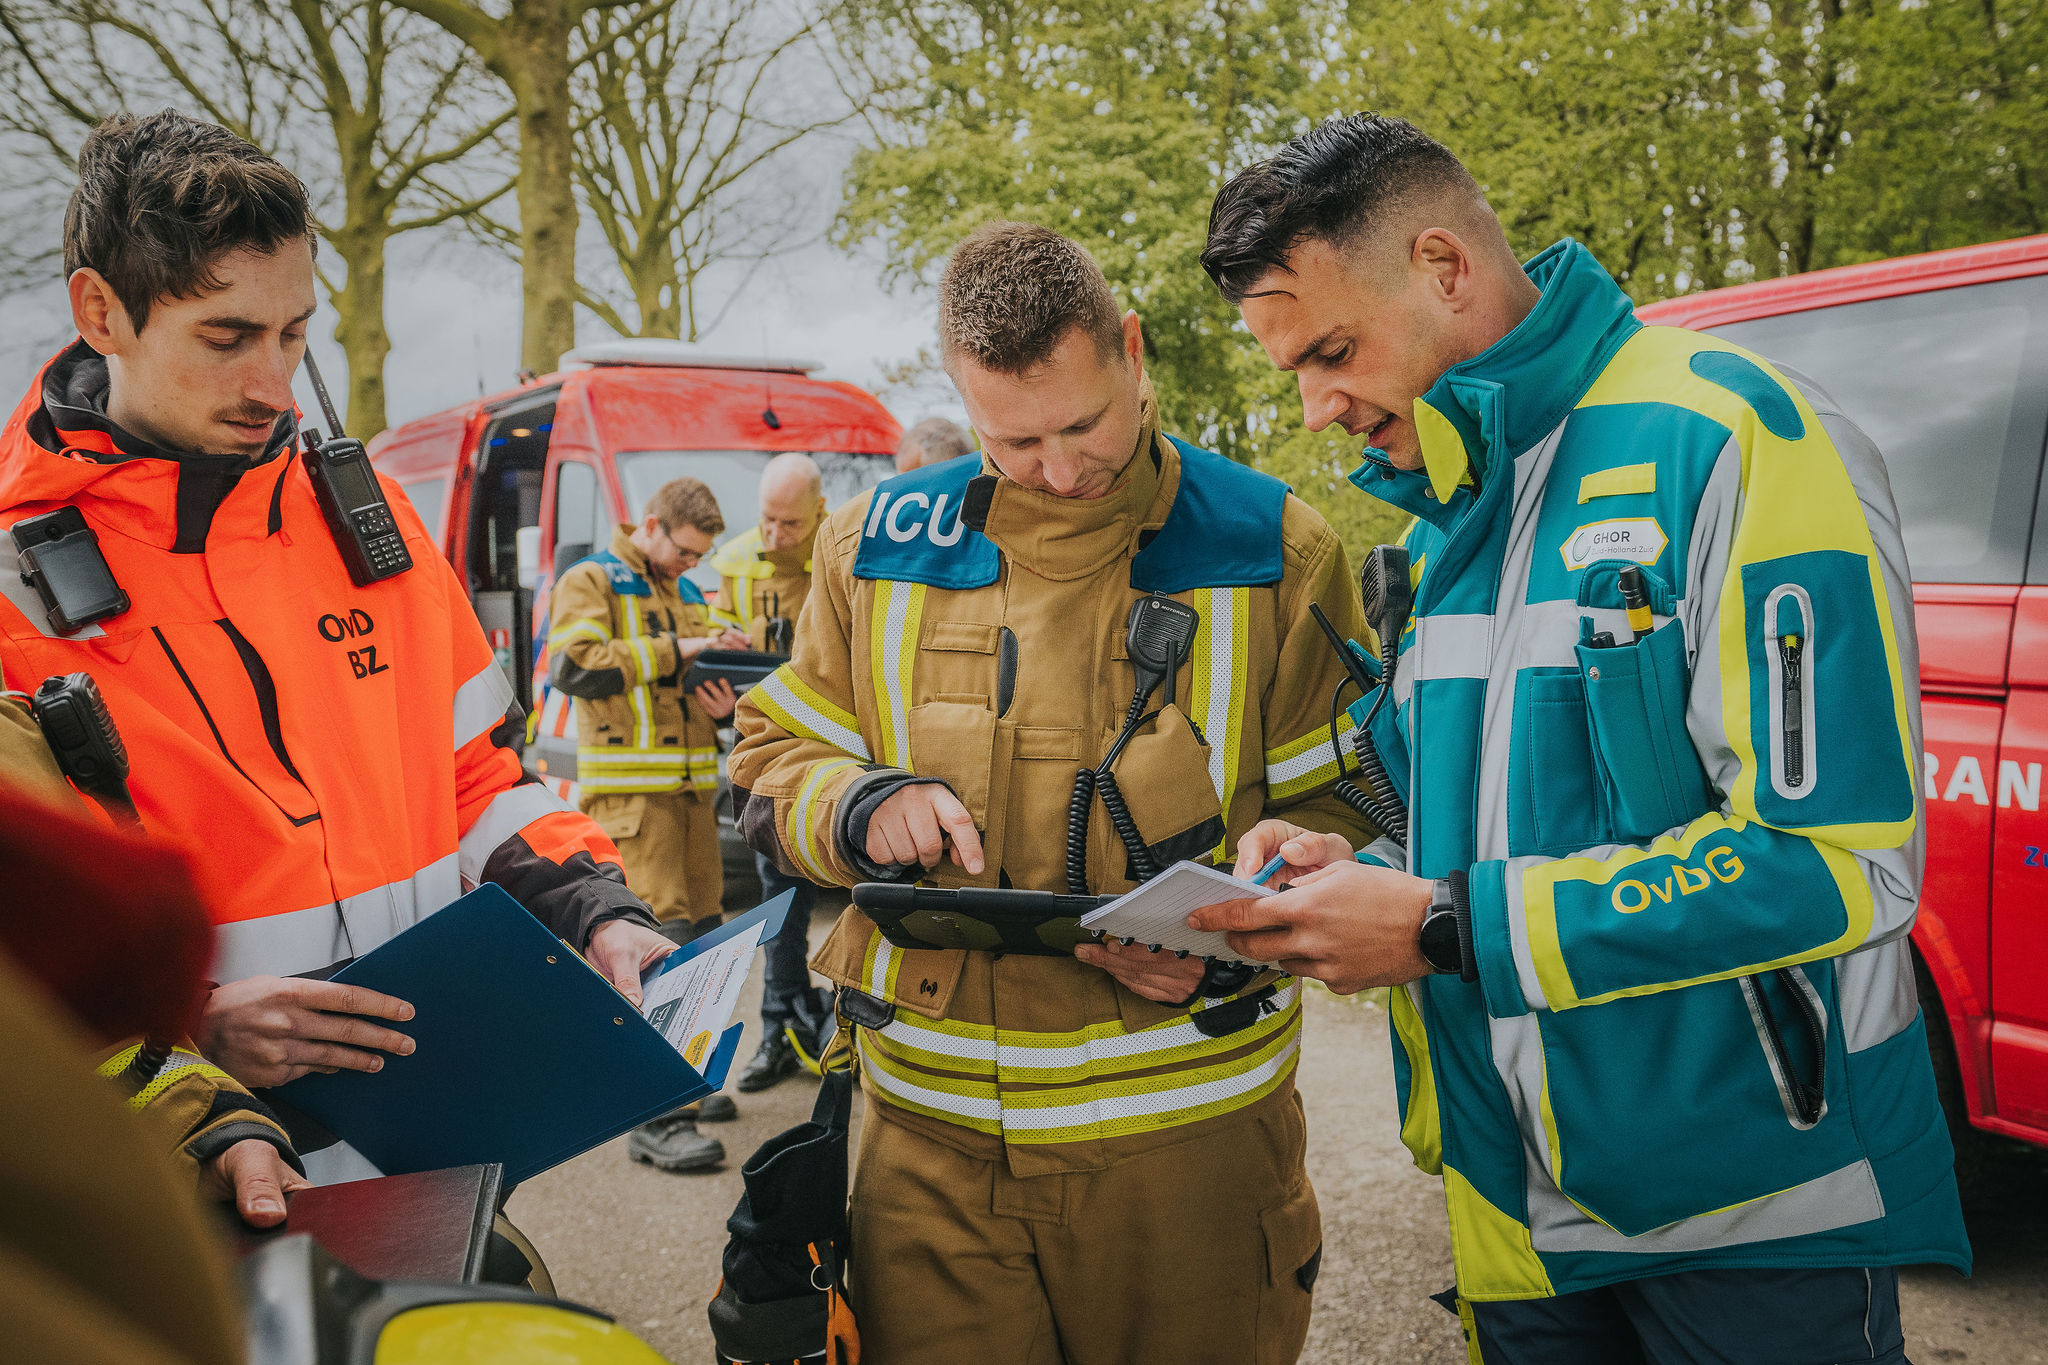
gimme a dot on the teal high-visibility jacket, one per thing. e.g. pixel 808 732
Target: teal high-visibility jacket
pixel 1695 853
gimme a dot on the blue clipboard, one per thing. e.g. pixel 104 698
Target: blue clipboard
pixel 527 1057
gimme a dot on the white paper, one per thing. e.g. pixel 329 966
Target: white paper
pixel 1156 912
pixel 691 1005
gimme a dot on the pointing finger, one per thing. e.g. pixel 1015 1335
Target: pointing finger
pixel 960 825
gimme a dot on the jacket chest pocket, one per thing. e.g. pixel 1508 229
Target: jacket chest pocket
pixel 952 733
pixel 1164 778
pixel 1554 801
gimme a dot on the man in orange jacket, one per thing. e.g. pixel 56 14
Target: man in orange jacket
pixel 337 757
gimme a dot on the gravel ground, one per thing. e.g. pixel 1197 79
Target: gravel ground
pixel 644 1245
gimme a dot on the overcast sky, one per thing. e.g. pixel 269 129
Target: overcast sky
pixel 453 312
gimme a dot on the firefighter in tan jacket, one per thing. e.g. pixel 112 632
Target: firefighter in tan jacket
pixel 1093 1160
pixel 623 626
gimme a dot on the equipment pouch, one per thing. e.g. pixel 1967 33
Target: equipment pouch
pixel 1164 777
pixel 1649 772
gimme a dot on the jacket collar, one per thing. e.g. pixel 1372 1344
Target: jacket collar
pixel 60 447
pixel 1481 413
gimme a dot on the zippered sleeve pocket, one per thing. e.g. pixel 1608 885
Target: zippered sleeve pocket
pixel 1788 616
pixel 1826 711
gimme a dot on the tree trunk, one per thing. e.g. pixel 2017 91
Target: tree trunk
pixel 534 62
pixel 359 325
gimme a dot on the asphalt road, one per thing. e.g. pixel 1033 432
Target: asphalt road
pixel 644 1245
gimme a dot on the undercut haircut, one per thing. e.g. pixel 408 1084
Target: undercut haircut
pixel 687 502
pixel 1336 183
pixel 160 200
pixel 1013 292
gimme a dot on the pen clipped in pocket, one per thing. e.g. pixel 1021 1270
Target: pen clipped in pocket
pixel 1635 705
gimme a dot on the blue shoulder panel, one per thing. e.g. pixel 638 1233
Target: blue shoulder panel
pixel 625 582
pixel 690 592
pixel 1222 532
pixel 1223 529
pixel 914 533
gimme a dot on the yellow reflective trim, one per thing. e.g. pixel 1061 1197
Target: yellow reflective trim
pixel 1443 451
pixel 1623 478
pixel 1282 1062
pixel 1218 669
pixel 1421 1126
pixel 801 710
pixel 801 837
pixel 1491 1252
pixel 585 629
pixel 899 1093
pixel 897 615
pixel 1290 770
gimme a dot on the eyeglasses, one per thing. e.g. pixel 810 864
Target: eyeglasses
pixel 690 558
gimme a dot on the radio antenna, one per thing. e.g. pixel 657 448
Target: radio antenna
pixel 320 392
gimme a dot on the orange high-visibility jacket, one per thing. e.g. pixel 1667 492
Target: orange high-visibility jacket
pixel 334 757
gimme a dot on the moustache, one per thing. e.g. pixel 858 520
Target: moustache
pixel 250 415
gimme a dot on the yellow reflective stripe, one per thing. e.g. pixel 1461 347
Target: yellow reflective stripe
pixel 585 629
pixel 643 717
pixel 898 612
pixel 1125 1112
pixel 178 1064
pixel 882 964
pixel 1305 763
pixel 1099 1050
pixel 801 710
pixel 1625 478
pixel 1084 1113
pixel 1546 950
pixel 801 839
pixel 1219 685
pixel 1421 1128
pixel 979 1112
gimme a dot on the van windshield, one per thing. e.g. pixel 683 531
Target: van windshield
pixel 735 480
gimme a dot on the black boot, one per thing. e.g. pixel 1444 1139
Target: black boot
pixel 673 1143
pixel 774 1061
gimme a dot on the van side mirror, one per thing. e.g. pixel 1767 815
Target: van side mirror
pixel 526 545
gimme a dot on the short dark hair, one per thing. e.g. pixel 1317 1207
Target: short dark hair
pixel 161 199
pixel 1332 183
pixel 687 502
pixel 1013 292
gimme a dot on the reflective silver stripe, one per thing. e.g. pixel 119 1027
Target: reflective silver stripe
pixel 509 812
pixel 810 722
pixel 1012 1055
pixel 1111 1108
pixel 321 935
pixel 481 703
pixel 985 1108
pixel 1307 768
pixel 1459 645
pixel 1874 987
pixel 1839 1199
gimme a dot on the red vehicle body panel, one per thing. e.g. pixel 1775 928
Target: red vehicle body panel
pixel 1983 925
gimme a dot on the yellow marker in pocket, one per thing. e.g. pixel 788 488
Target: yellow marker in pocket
pixel 1635 596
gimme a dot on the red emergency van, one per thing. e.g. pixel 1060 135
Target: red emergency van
pixel 1943 360
pixel 518 486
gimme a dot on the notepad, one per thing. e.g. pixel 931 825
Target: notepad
pixel 1155 913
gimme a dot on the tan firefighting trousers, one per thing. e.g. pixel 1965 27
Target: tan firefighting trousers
pixel 668 845
pixel 1200 1252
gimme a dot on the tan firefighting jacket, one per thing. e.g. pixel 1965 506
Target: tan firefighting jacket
pixel 756 585
pixel 1003 690
pixel 612 635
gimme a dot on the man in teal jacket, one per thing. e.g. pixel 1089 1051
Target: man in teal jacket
pixel 1653 998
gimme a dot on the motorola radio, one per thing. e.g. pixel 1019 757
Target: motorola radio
pixel 351 500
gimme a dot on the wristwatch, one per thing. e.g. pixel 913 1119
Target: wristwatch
pixel 1446 937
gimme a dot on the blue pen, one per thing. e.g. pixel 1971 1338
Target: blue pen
pixel 1265 873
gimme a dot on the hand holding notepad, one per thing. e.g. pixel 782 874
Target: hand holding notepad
pixel 1155 914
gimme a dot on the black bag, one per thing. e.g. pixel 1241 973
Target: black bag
pixel 783 1295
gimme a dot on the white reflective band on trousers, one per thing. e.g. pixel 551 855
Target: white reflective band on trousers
pixel 322 935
